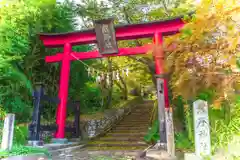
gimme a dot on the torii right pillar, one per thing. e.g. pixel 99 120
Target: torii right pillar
pixel 164 111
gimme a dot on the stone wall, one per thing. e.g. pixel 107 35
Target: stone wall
pixel 97 125
pixel 94 127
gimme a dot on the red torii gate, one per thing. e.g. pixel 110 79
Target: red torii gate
pixel 156 29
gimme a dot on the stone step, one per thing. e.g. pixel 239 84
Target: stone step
pixel 134 115
pixel 129 121
pixel 133 125
pixel 135 121
pixel 128 131
pixel 117 142
pixel 141 111
pixel 117 145
pixel 124 153
pixel 142 108
pixel 126 134
pixel 138 112
pixel 137 118
pixel 127 127
pixel 138 115
pixel 130 128
pixel 123 148
pixel 141 138
pixel 142 116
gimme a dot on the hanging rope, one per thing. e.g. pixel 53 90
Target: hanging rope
pixel 101 75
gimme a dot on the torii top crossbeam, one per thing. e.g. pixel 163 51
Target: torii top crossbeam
pixel 156 30
pixel 123 32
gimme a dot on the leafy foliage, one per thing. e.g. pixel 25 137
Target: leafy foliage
pixel 20 133
pixel 23 150
pixel 204 57
pixel 222 132
pixel 206 50
pixel 153 132
pixel 23 54
pixel 182 141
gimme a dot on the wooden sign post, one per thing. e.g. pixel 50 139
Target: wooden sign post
pixel 106 37
pixel 201 128
pixel 8 130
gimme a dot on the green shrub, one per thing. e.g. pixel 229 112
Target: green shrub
pixel 23 150
pixel 222 131
pixel 182 141
pixel 153 133
pixel 2 115
pixel 20 135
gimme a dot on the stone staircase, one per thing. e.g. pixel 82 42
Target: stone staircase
pixel 128 134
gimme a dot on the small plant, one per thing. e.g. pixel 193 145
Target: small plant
pixel 2 115
pixel 223 132
pixel 182 142
pixel 23 150
pixel 20 134
pixel 153 133
pixel 189 121
pixel 47 139
pixel 154 113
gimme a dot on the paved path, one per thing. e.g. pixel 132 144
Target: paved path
pixel 84 154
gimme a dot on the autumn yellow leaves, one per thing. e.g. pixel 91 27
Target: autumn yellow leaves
pixel 205 52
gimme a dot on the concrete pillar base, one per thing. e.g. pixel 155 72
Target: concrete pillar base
pixel 59 140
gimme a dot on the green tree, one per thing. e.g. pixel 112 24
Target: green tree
pixel 23 54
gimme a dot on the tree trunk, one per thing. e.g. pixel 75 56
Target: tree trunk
pixel 125 90
pixel 109 97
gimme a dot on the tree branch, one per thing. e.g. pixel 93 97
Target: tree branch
pixel 165 7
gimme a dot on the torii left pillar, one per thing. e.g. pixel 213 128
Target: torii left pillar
pixel 63 95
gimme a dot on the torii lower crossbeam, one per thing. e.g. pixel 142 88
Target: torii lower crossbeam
pixel 95 54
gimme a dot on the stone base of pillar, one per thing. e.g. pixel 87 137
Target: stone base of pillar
pixel 35 143
pixel 191 156
pixel 160 146
pixel 159 154
pixel 59 140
